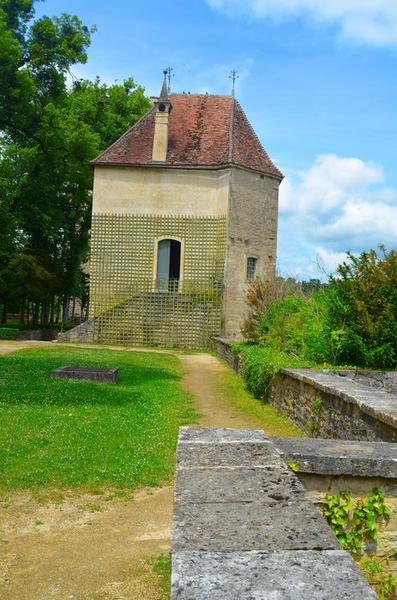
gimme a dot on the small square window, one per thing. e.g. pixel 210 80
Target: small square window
pixel 251 266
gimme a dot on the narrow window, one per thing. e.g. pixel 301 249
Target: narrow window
pixel 251 266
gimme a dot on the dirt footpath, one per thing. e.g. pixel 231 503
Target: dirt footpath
pixel 97 547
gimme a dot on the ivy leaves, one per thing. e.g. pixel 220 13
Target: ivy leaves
pixel 355 522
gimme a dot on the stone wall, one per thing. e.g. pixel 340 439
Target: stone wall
pixel 86 333
pixel 245 528
pixel 330 466
pixel 41 335
pixel 350 405
pixel 328 406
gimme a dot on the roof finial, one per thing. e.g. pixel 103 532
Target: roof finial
pixel 233 76
pixel 170 74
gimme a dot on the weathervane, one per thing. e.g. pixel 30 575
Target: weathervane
pixel 170 73
pixel 233 76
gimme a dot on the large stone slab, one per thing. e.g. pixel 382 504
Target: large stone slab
pixel 376 403
pixel 341 457
pixel 216 485
pixel 296 575
pixel 269 526
pixel 245 528
pixel 229 454
pixel 206 435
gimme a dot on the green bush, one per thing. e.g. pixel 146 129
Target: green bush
pixel 297 325
pixel 260 364
pixel 363 309
pixel 9 333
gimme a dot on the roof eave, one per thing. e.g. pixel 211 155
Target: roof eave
pixel 181 166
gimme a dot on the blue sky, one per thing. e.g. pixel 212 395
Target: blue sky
pixel 318 80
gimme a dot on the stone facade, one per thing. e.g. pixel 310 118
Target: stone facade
pixel 251 232
pixel 185 202
pixel 220 217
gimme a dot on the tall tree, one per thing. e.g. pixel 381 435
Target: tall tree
pixel 55 131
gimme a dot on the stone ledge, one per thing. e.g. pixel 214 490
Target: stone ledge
pixel 245 528
pixel 291 575
pixel 340 457
pixel 374 402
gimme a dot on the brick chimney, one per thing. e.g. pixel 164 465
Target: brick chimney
pixel 160 139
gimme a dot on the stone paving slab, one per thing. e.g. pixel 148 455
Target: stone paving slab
pixel 207 435
pixel 237 485
pixel 340 457
pixel 269 526
pixel 295 575
pixel 244 527
pixel 238 454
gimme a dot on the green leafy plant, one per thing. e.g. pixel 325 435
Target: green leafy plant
pixel 318 403
pixel 293 466
pixel 355 522
pixel 260 364
pixel 375 572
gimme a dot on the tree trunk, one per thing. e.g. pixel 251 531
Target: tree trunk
pixel 52 309
pixel 4 313
pixel 65 308
pixel 22 311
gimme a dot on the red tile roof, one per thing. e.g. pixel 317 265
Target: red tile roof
pixel 204 131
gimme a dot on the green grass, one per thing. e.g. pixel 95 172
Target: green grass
pixel 162 568
pixel 58 432
pixel 265 415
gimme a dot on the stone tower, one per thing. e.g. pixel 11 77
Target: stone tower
pixel 185 209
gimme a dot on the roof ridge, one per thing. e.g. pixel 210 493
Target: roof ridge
pixel 258 140
pixel 231 132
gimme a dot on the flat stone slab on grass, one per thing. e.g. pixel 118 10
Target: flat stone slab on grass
pixel 99 374
pixel 294 575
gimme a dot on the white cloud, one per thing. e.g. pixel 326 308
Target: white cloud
pixel 372 22
pixel 336 205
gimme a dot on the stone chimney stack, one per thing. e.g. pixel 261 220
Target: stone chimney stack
pixel 160 139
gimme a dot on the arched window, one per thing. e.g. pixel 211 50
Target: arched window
pixel 168 264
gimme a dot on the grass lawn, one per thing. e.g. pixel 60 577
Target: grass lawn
pixel 267 417
pixel 56 432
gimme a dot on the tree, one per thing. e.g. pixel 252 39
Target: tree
pixel 49 136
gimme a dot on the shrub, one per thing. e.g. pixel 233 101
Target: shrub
pixel 296 325
pixel 259 364
pixel 363 309
pixel 260 296
pixel 9 333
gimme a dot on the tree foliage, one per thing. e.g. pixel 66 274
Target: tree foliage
pixel 49 133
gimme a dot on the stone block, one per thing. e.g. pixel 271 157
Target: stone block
pixel 237 485
pixel 291 575
pixel 218 454
pixel 340 457
pixel 271 525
